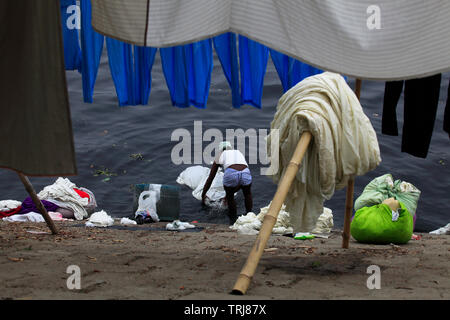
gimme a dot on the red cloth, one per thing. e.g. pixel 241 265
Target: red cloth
pixel 81 193
pixel 4 214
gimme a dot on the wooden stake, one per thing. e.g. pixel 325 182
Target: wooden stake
pixel 348 213
pixel 37 202
pixel 350 190
pixel 270 219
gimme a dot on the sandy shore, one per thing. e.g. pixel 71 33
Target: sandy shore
pixel 159 264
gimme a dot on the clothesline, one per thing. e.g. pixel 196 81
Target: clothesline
pixel 187 70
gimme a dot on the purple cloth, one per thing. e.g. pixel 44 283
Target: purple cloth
pixel 29 206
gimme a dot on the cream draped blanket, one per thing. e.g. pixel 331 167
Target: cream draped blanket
pixel 344 143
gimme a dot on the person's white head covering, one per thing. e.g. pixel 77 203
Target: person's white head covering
pixel 225 145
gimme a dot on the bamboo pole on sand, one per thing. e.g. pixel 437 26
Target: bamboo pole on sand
pixel 270 218
pixel 38 202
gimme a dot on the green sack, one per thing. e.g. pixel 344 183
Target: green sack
pixel 384 187
pixel 374 225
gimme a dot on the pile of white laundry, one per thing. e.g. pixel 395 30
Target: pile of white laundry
pixel 62 194
pixel 100 219
pixel 250 223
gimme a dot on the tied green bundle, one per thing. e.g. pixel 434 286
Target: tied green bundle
pixel 374 225
pixel 384 187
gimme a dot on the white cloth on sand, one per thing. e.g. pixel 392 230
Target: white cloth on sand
pixel 8 205
pixel 34 217
pixel 344 143
pixel 62 191
pixel 179 225
pixel 442 230
pixel 250 223
pixel 127 221
pixel 100 219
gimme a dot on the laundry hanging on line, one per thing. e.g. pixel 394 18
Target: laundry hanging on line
pixel 91 48
pixel 70 26
pixel 421 98
pixel 290 70
pixel 187 68
pixel 130 68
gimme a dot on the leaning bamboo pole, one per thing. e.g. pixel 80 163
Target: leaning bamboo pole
pixel 270 218
pixel 38 202
pixel 349 192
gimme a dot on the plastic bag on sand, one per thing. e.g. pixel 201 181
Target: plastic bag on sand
pixel 376 225
pixel 384 187
pixel 147 204
pixel 100 219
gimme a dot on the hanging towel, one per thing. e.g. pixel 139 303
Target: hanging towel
pixel 91 46
pixel 70 25
pixel 290 70
pixel 253 59
pixel 226 49
pixel 421 98
pixel 344 143
pixel 187 70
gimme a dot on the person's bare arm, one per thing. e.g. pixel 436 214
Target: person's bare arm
pixel 209 181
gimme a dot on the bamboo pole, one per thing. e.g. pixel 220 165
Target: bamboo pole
pixel 270 219
pixel 37 202
pixel 350 190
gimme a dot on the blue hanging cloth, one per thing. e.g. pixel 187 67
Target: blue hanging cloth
pixel 119 54
pixel 253 59
pixel 70 25
pixel 290 70
pixel 130 71
pixel 187 70
pixel 226 49
pixel 143 63
pixel 91 48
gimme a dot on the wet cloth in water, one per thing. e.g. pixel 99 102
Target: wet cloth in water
pixel 234 178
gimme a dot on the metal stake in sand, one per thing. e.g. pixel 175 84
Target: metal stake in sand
pixel 270 219
pixel 37 202
pixel 349 193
